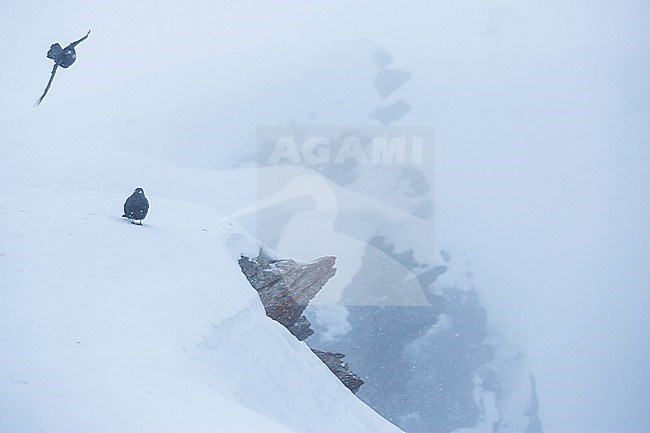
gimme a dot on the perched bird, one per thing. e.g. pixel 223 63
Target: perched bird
pixel 63 57
pixel 136 207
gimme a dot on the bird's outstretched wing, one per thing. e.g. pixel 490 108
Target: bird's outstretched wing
pixel 49 83
pixel 75 43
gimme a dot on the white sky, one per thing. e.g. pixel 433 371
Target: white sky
pixel 542 113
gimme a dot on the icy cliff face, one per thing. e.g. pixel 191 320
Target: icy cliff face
pixel 435 368
pixel 403 306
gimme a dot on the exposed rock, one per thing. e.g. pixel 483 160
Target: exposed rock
pixel 340 369
pixel 383 58
pixel 534 423
pixel 285 288
pixel 389 80
pixel 392 113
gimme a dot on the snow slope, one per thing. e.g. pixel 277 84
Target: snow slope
pixel 106 326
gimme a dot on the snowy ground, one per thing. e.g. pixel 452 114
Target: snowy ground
pixel 106 326
pixel 542 124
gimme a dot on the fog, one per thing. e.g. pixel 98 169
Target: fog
pixel 542 120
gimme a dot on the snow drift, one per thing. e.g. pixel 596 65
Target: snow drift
pixel 106 326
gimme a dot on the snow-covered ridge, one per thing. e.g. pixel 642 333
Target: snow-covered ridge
pixel 106 326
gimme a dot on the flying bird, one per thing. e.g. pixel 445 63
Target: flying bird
pixel 136 207
pixel 63 57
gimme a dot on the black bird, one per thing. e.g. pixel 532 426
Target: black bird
pixel 136 207
pixel 63 57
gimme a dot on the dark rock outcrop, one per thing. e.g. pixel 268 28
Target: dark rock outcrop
pixel 334 362
pixel 285 288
